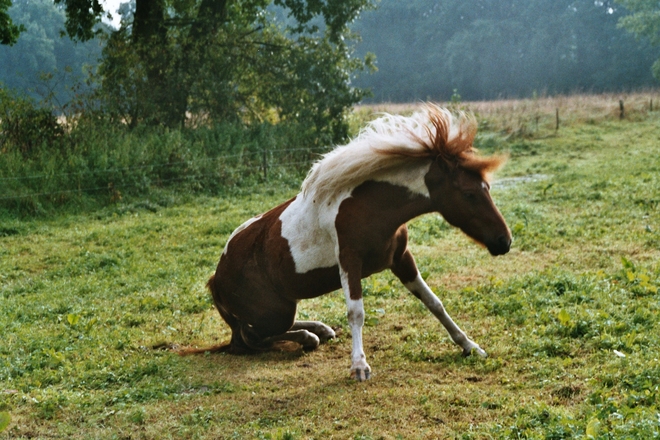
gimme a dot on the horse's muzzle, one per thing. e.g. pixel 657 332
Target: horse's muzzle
pixel 500 246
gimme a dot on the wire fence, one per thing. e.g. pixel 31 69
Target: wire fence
pixel 265 164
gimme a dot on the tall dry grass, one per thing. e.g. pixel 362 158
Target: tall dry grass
pixel 538 116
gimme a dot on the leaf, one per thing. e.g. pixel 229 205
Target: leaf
pixel 5 420
pixel 631 276
pixel 593 427
pixel 627 264
pixel 564 317
pixel 72 319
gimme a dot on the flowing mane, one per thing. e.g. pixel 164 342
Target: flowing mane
pixel 394 141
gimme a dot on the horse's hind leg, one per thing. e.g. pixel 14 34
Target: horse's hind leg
pixel 309 334
pixel 308 340
pixel 406 270
pixel 321 330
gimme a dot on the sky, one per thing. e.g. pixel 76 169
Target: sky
pixel 112 6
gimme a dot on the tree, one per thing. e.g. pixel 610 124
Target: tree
pixel 43 64
pixel 228 59
pixel 488 49
pixel 644 22
pixel 8 30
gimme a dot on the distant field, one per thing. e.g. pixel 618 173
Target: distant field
pixel 90 304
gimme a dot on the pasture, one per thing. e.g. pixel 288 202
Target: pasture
pixel 91 305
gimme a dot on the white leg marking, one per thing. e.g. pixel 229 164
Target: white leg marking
pixel 433 303
pixel 360 369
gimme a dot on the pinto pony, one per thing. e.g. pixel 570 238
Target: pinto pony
pixel 348 222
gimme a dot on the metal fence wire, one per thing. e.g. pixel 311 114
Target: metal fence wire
pixel 263 162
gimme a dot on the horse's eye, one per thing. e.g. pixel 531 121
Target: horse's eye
pixel 470 196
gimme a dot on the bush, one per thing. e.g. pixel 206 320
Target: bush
pixel 25 126
pixel 96 161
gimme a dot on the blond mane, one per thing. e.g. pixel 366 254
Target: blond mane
pixel 392 142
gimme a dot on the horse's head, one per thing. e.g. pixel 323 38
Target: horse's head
pixel 462 196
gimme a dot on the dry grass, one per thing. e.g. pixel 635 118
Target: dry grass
pixel 531 116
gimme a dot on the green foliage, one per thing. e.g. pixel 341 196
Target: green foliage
pixel 9 32
pixel 96 163
pixel 642 20
pixel 43 64
pixel 220 61
pixel 508 48
pixel 644 23
pixel 25 126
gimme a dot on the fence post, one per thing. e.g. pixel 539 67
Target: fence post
pixel 557 119
pixel 265 163
pixel 621 113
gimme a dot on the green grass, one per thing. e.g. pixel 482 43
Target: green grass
pixel 89 304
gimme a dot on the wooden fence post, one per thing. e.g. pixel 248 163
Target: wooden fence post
pixel 265 163
pixel 557 119
pixel 621 113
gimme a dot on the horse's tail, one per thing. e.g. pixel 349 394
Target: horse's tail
pixel 223 348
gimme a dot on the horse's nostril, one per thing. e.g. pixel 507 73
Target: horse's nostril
pixel 500 245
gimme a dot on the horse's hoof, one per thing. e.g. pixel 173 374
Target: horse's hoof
pixel 311 343
pixel 360 374
pixel 475 350
pixel 326 336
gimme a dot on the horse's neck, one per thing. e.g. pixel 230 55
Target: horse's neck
pixel 407 195
pixel 388 205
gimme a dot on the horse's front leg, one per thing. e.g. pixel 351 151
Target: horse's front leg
pixel 406 270
pixel 350 270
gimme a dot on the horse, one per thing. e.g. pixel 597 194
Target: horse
pixel 349 222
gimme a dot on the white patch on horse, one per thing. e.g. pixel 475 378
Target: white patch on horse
pixel 433 303
pixel 239 230
pixel 413 179
pixel 360 369
pixel 309 228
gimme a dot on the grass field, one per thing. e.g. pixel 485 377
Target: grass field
pixel 90 304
